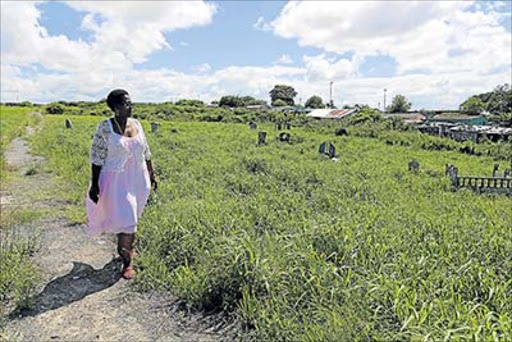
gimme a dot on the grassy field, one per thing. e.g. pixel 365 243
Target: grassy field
pixel 300 248
pixel 232 223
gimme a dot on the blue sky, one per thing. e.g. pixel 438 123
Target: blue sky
pixel 435 53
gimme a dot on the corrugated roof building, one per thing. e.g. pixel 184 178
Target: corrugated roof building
pixel 331 113
pixel 407 117
pixel 459 118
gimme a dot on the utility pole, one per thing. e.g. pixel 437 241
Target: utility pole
pixel 330 94
pixel 385 99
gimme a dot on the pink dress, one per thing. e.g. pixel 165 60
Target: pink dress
pixel 124 181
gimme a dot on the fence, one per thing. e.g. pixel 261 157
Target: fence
pixel 494 184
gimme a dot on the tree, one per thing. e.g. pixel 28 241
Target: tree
pixel 282 92
pixel 314 102
pixel 236 101
pixel 365 115
pixel 54 108
pixel 193 103
pixel 502 119
pixel 497 101
pixel 279 103
pixel 399 105
pixel 230 101
pixel 473 105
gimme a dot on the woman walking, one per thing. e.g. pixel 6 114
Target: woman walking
pixel 122 176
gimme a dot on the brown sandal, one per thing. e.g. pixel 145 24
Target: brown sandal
pixel 128 272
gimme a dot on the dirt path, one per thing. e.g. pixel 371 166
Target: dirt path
pixel 82 297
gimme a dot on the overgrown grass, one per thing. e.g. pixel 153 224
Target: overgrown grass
pixel 299 248
pixel 18 276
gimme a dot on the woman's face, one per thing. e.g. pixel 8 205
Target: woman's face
pixel 125 108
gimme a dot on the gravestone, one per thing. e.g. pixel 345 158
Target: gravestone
pixel 451 171
pixel 154 127
pixel 278 126
pixel 332 150
pixel 454 175
pixel 288 126
pixel 284 137
pixel 321 150
pixel 448 169
pixel 253 125
pixel 261 137
pixel 69 125
pixel 341 131
pixel 414 166
pixel 506 173
pixel 495 170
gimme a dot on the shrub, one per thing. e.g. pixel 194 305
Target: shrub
pixel 54 108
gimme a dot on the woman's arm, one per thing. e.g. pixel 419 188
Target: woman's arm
pixel 99 151
pixel 152 176
pixel 94 191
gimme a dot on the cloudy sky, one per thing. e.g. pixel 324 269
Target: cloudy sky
pixel 435 53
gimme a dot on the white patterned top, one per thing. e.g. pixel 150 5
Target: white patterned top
pixel 100 142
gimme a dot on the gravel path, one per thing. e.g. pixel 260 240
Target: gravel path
pixel 82 297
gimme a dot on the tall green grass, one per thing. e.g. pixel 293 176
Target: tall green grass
pixel 300 248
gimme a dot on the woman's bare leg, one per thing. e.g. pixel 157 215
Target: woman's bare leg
pixel 125 247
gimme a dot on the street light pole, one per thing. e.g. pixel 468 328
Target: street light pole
pixel 385 99
pixel 330 94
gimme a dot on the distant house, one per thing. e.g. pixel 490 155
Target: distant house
pixel 412 117
pixel 292 109
pixel 287 109
pixel 464 132
pixel 257 107
pixel 329 113
pixel 459 118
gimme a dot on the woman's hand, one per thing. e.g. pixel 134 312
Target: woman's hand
pixel 94 192
pixel 152 178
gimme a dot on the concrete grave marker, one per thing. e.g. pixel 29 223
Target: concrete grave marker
pixel 414 166
pixel 321 150
pixel 154 127
pixel 332 150
pixel 261 137
pixel 69 125
pixel 495 170
pixel 284 137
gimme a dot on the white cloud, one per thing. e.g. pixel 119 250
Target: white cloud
pixel 284 59
pixel 321 68
pixel 418 34
pixel 127 34
pixel 185 44
pixel 201 68
pixel 466 53
pixel 262 25
pixel 431 91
